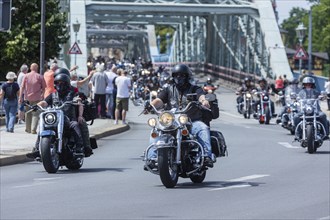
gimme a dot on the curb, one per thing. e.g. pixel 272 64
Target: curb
pixel 20 157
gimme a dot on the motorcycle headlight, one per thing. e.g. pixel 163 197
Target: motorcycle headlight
pixel 265 98
pixel 183 119
pixel 248 95
pixel 309 110
pixel 152 122
pixel 50 118
pixel 166 119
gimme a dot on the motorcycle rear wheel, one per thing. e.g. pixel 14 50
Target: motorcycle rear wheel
pixel 199 177
pixel 49 156
pixel 311 148
pixel 168 171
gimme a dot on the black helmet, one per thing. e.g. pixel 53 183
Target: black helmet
pixel 181 68
pixel 62 77
pixel 62 71
pixel 308 80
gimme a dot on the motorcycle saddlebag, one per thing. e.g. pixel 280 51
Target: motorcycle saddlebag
pixel 218 143
pixel 90 111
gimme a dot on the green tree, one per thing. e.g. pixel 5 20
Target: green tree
pixel 22 43
pixel 297 15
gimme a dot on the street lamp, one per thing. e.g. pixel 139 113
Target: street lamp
pixel 76 27
pixel 300 31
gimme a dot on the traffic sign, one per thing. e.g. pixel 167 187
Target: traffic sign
pixel 75 49
pixel 300 54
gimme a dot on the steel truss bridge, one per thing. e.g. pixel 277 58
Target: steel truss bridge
pixel 226 36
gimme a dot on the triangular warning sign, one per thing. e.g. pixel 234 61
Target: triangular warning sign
pixel 75 49
pixel 300 54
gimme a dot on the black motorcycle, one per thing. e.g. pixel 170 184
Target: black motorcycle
pixel 57 148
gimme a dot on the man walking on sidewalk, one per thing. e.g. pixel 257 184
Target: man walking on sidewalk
pixel 123 88
pixel 33 88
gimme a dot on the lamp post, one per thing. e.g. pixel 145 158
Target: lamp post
pixel 76 27
pixel 300 31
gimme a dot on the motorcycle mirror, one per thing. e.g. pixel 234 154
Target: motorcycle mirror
pixel 210 97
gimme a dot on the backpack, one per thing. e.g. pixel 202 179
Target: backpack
pixel 10 92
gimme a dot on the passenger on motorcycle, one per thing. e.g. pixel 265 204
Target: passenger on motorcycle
pixel 263 86
pixel 308 91
pixel 246 86
pixel 65 92
pixel 176 96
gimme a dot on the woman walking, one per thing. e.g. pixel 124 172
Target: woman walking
pixel 9 92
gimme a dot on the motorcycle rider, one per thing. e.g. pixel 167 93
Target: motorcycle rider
pixel 176 96
pixel 246 87
pixel 263 86
pixel 291 88
pixel 308 91
pixel 66 92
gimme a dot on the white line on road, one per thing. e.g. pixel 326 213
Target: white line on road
pixel 241 179
pixel 325 218
pixel 39 181
pixel 287 145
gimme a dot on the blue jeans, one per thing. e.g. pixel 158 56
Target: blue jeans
pixel 200 130
pixel 110 105
pixel 11 111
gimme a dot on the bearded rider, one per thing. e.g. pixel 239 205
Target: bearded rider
pixel 308 91
pixel 176 96
pixel 66 92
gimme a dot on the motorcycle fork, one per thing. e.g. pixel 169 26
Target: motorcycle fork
pixel 60 129
pixel 178 149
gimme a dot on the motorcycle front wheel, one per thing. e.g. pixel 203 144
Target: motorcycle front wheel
pixel 168 171
pixel 49 156
pixel 311 148
pixel 267 115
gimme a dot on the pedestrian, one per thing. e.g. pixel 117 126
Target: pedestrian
pixel 279 84
pixel 49 79
pixel 9 93
pixel 81 84
pixel 111 74
pixel 123 89
pixel 33 88
pixel 327 90
pixel 23 70
pixel 100 82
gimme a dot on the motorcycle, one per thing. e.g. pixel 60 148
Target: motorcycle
pixel 179 154
pixel 264 112
pixel 246 106
pixel 291 109
pixel 209 88
pixel 137 94
pixel 312 130
pixel 56 147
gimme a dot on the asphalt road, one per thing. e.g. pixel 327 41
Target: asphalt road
pixel 265 176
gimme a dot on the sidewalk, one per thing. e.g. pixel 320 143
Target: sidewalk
pixel 14 146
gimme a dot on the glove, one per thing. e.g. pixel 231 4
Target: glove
pixel 147 106
pixel 35 107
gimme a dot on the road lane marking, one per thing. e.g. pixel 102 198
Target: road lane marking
pixel 287 145
pixel 325 218
pixel 38 182
pixel 229 114
pixel 240 182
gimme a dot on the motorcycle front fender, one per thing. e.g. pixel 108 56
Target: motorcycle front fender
pixel 47 133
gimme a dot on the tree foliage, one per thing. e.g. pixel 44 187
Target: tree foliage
pixel 320 26
pixel 22 43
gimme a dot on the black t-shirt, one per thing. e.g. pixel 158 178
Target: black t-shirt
pixel 10 90
pixel 68 110
pixel 173 98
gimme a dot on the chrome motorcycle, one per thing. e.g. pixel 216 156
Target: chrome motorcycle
pixel 56 147
pixel 246 106
pixel 264 112
pixel 311 129
pixel 291 108
pixel 179 154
